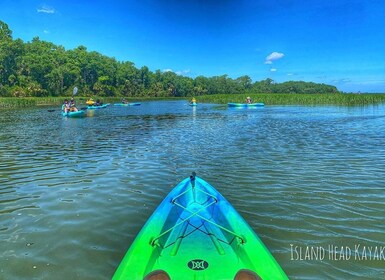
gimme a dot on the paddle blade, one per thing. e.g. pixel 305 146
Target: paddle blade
pixel 75 91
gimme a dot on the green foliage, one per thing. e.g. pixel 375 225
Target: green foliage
pixel 5 32
pixel 40 69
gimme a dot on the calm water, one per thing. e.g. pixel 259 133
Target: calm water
pixel 75 192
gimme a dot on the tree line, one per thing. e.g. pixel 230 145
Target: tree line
pixel 41 68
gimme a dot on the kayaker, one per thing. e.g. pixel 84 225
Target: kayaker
pixel 193 100
pixel 124 101
pixel 66 106
pixel 90 102
pixel 248 100
pixel 72 105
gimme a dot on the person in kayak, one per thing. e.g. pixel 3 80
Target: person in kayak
pixel 248 100
pixel 90 102
pixel 124 101
pixel 72 105
pixel 193 101
pixel 66 106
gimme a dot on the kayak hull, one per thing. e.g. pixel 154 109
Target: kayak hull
pixel 97 107
pixel 193 104
pixel 127 104
pixel 245 105
pixel 195 233
pixel 78 114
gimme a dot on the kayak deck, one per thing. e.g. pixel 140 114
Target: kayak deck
pixel 195 233
pixel 127 104
pixel 77 114
pixel 204 241
pixel 245 105
pixel 93 107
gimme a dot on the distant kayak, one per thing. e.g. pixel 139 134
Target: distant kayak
pixel 97 107
pixel 245 105
pixel 195 233
pixel 193 104
pixel 77 114
pixel 127 104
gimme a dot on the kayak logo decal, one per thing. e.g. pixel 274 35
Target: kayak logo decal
pixel 198 264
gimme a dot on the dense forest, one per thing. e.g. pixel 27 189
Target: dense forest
pixel 40 68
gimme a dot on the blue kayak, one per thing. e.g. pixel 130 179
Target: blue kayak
pixel 245 105
pixel 127 104
pixel 77 114
pixel 92 107
pixel 193 104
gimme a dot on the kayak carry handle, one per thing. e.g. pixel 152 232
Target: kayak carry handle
pixel 192 179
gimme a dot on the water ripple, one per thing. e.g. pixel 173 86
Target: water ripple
pixel 305 176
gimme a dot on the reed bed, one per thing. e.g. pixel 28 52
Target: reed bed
pixel 298 99
pixel 12 102
pixel 23 102
pixel 268 99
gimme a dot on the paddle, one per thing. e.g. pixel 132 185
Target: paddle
pixel 74 92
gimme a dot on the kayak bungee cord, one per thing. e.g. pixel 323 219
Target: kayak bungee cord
pixel 155 242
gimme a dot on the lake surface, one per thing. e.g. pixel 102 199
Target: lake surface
pixel 75 192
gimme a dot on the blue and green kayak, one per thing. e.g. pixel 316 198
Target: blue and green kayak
pixel 93 107
pixel 195 233
pixel 245 105
pixel 193 104
pixel 77 114
pixel 127 104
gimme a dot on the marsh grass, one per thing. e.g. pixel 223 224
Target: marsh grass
pixel 19 102
pixel 297 99
pixel 268 99
pixel 12 102
pixel 23 102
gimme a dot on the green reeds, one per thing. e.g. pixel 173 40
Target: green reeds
pixel 22 102
pixel 12 102
pixel 267 98
pixel 297 99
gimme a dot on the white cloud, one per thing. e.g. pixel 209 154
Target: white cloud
pixel 46 9
pixel 46 31
pixel 342 81
pixel 273 56
pixel 183 72
pixel 273 70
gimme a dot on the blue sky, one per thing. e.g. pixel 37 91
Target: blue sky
pixel 338 42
